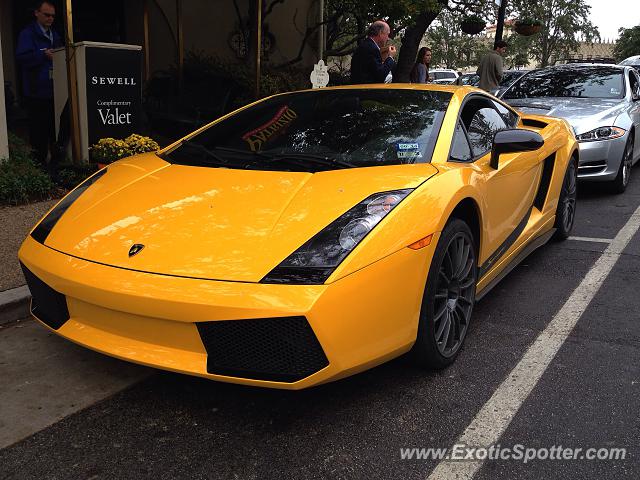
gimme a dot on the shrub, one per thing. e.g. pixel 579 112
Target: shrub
pixel 139 144
pixel 109 150
pixel 20 180
pixel 70 175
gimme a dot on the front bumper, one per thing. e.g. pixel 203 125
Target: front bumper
pixel 167 322
pixel 600 160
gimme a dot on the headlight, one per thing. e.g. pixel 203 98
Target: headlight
pixel 42 231
pixel 601 133
pixel 314 261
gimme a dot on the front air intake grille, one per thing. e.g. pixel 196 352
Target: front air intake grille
pixel 47 305
pixel 281 349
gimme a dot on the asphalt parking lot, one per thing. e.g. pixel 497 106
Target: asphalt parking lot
pixel 107 419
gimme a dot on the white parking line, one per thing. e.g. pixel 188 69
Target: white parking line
pixel 495 416
pixel 591 239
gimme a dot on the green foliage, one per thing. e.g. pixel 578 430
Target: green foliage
pixel 19 150
pixel 347 21
pixel 20 180
pixel 564 21
pixel 628 43
pixel 70 175
pixel 109 150
pixel 450 48
pixel 473 19
pixel 528 21
pixel 518 52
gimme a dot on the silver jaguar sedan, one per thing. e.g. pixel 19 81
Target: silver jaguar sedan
pixel 602 104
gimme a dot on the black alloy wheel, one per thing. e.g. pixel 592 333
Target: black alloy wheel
pixel 449 297
pixel 624 171
pixel 566 210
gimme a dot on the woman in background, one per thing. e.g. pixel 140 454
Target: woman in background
pixel 420 70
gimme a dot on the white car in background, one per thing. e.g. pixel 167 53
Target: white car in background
pixel 443 75
pixel 632 62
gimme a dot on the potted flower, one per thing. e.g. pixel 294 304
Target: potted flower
pixel 528 26
pixel 108 150
pixel 472 24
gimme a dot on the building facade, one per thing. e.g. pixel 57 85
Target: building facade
pixel 172 30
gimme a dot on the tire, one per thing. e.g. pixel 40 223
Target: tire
pixel 619 185
pixel 566 210
pixel 448 298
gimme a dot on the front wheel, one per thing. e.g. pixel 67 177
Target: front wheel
pixel 619 185
pixel 566 210
pixel 448 298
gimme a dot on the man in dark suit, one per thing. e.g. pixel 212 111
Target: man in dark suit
pixel 369 64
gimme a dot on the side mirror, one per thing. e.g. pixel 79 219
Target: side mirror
pixel 512 141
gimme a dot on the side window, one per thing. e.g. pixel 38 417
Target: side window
pixel 510 118
pixel 633 84
pixel 483 127
pixel 460 149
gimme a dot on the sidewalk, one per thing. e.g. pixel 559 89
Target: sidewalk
pixel 15 224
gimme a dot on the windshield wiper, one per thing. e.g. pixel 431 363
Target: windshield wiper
pixel 266 157
pixel 311 157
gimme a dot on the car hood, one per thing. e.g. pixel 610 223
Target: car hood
pixel 212 223
pixel 583 114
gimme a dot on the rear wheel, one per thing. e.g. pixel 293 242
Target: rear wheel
pixel 621 181
pixel 448 298
pixel 566 210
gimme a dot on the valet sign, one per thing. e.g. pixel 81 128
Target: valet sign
pixel 114 93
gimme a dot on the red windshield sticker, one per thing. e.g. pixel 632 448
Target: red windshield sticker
pixel 257 137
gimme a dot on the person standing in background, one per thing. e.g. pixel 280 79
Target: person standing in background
pixel 369 64
pixel 420 71
pixel 491 67
pixel 34 54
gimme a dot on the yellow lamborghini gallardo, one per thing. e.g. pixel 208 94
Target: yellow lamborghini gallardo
pixel 305 237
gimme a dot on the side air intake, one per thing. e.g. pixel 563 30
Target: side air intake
pixel 47 305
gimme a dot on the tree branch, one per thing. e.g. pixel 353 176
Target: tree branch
pixel 270 8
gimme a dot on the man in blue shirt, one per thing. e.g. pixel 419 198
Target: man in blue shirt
pixel 35 57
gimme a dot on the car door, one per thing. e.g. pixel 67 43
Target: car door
pixel 508 191
pixel 634 109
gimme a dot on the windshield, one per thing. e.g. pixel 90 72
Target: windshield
pixel 509 77
pixel 588 82
pixel 322 130
pixel 471 79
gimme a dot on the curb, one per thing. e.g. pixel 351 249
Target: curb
pixel 14 304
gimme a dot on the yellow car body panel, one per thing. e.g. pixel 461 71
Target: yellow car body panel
pixel 227 224
pixel 229 228
pixel 150 319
